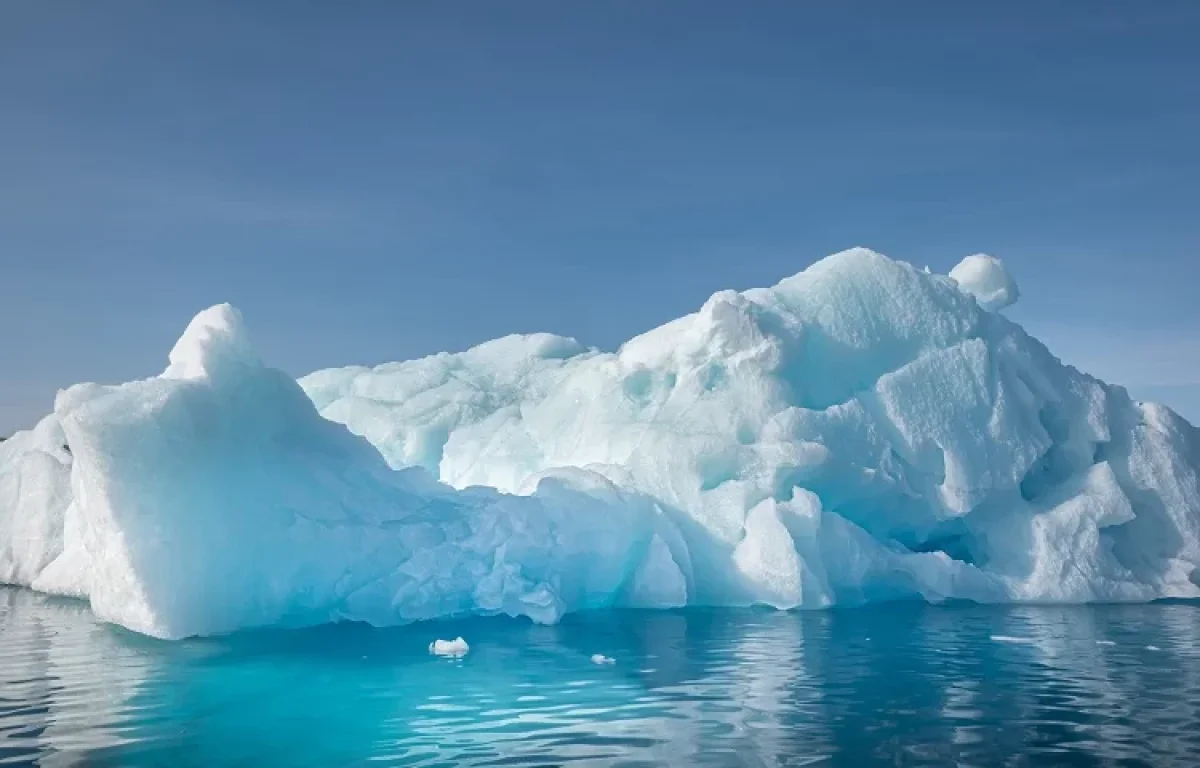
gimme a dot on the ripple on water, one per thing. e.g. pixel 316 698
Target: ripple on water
pixel 933 685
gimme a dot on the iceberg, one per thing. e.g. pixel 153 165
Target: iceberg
pixel 213 497
pixel 862 431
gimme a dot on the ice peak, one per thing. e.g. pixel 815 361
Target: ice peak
pixel 985 278
pixel 215 342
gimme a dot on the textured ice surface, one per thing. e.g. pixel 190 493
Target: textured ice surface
pixel 861 431
pixel 214 497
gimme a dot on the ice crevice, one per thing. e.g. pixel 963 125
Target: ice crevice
pixel 861 431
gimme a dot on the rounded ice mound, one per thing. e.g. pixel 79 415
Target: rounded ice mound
pixel 985 278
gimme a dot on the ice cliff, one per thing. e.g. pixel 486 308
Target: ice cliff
pixel 861 431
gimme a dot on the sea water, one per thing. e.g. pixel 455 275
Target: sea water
pixel 902 684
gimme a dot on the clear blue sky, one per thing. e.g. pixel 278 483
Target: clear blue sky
pixel 374 181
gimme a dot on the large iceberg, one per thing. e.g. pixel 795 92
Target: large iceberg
pixel 862 431
pixel 214 497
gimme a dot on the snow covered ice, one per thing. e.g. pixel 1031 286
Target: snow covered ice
pixel 861 431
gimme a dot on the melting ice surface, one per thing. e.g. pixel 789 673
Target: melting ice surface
pixel 904 683
pixel 863 431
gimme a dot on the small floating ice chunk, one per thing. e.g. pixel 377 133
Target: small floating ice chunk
pixel 1153 648
pixel 1011 639
pixel 1105 642
pixel 599 658
pixel 455 647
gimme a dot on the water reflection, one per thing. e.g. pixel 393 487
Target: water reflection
pixel 900 684
pixel 65 681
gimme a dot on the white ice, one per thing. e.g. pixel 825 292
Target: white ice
pixel 455 647
pixel 985 278
pixel 861 431
pixel 213 497
pixel 599 658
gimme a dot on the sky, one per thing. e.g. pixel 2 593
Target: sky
pixel 378 181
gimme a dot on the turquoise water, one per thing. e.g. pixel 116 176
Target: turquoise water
pixel 894 685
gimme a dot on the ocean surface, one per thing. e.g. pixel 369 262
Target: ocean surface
pixel 903 684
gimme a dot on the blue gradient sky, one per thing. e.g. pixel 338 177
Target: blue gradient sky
pixel 380 180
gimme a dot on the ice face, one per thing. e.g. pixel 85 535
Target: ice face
pixel 35 490
pixel 861 431
pixel 214 497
